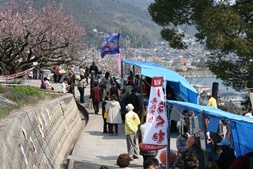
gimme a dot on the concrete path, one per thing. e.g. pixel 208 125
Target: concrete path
pixel 94 148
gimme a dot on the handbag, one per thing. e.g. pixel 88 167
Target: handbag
pixel 106 113
pixel 102 85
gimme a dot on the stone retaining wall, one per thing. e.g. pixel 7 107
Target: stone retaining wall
pixel 40 137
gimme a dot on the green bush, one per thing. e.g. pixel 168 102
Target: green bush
pixel 2 89
pixel 4 111
pixel 22 95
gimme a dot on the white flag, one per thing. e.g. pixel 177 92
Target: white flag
pixel 155 136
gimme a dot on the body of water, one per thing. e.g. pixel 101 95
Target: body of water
pixel 208 81
pixel 225 93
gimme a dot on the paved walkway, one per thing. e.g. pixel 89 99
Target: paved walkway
pixel 97 148
pixel 94 148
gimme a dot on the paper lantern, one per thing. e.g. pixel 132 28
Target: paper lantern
pixel 190 141
pixel 163 156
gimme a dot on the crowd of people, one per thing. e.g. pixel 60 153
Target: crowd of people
pixel 219 151
pixel 122 106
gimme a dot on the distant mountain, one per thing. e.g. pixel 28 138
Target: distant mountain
pixel 142 4
pixel 103 17
pixel 109 16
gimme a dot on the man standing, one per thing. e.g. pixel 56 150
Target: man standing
pixel 96 96
pixel 114 90
pixel 181 140
pixel 81 86
pixel 71 82
pixel 94 68
pixel 92 79
pixel 134 100
pixel 211 100
pixel 227 156
pixel 132 122
pixel 56 70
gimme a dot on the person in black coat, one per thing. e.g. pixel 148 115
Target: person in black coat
pixel 227 155
pixel 134 100
pixel 71 82
pixel 114 90
pixel 122 101
pixel 105 126
pixel 94 68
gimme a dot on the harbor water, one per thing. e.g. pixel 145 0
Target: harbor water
pixel 208 82
pixel 225 94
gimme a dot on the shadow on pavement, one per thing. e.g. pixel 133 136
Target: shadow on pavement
pixel 84 112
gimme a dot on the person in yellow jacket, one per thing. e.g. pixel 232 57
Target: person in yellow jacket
pixel 211 100
pixel 132 122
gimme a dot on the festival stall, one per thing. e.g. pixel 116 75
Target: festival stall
pixel 180 86
pixel 241 126
pixel 157 122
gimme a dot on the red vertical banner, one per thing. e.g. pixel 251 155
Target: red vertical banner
pixel 155 136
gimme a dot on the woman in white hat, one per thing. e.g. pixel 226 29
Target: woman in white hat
pixel 132 122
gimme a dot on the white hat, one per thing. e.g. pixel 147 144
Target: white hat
pixel 129 107
pixel 224 143
pixel 208 94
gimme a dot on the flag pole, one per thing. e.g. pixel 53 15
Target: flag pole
pixel 121 74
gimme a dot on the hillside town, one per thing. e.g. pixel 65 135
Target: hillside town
pixel 190 62
pixel 88 85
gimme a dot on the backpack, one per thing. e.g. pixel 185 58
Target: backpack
pixel 111 80
pixel 102 83
pixel 43 85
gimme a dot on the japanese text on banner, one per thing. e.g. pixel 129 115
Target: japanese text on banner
pixel 155 136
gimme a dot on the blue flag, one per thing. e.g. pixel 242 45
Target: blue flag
pixel 110 45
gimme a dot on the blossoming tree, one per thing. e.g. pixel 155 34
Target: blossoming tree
pixel 47 36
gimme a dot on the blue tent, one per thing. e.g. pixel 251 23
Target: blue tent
pixel 178 83
pixel 241 126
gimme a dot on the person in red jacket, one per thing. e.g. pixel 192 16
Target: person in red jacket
pixel 96 96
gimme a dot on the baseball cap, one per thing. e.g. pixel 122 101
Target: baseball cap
pixel 208 94
pixel 224 143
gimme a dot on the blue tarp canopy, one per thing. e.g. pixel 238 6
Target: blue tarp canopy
pixel 241 126
pixel 178 83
